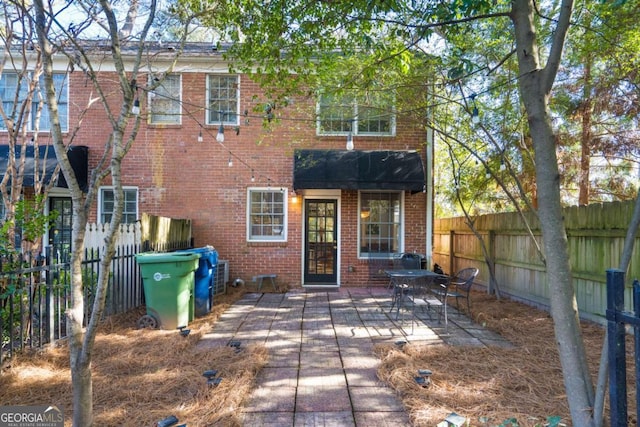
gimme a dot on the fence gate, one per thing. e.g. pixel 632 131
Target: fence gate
pixel 617 318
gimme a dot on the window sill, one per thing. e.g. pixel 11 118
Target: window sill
pixel 164 125
pixel 269 243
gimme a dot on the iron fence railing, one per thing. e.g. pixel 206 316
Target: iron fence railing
pixel 35 293
pixel 618 319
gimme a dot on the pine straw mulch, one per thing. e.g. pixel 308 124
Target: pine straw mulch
pixel 491 385
pixel 142 376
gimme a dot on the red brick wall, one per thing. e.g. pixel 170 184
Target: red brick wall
pixel 182 178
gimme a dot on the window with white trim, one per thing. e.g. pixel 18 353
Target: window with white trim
pixel 165 101
pixel 106 204
pixel 266 215
pixel 380 223
pixel 223 94
pixel 9 83
pixel 371 115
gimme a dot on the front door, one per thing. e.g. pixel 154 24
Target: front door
pixel 321 242
pixel 60 230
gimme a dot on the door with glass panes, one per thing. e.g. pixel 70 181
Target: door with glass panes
pixel 60 229
pixel 321 242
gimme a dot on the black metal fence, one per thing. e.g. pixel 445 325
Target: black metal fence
pixel 36 293
pixel 617 319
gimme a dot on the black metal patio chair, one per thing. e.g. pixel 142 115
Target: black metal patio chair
pixel 458 287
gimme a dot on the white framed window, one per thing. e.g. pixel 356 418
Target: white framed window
pixel 106 203
pixel 9 87
pixel 266 215
pixel 223 99
pixel 372 115
pixel 380 223
pixel 165 101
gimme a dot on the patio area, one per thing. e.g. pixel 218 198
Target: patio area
pixel 322 368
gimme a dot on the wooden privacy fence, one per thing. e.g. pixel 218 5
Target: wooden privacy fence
pixel 595 235
pixel 617 319
pixel 152 232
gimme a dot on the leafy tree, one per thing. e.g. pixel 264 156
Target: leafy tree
pixel 21 113
pixel 596 104
pixel 278 38
pixel 119 27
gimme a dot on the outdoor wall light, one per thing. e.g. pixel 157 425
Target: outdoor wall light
pixel 135 110
pixel 294 197
pixel 349 141
pixel 220 135
pixel 230 162
pixel 200 139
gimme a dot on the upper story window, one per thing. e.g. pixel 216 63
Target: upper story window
pixel 223 95
pixel 106 204
pixel 380 223
pixel 11 84
pixel 370 115
pixel 266 215
pixel 165 101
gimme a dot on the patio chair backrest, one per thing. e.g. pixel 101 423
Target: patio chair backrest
pixel 407 261
pixel 463 280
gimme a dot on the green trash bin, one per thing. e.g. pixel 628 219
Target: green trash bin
pixel 168 282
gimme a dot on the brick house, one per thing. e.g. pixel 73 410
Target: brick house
pixel 281 193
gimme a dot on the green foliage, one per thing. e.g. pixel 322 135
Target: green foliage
pixel 30 217
pixel 363 46
pixel 6 242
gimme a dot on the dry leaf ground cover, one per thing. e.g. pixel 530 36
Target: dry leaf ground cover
pixel 143 376
pixel 491 385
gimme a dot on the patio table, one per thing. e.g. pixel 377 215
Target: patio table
pixel 404 281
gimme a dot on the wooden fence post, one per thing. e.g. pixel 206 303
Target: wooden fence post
pixel 452 235
pixel 491 289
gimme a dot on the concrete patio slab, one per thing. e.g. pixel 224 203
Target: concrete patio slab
pixel 324 419
pixel 321 369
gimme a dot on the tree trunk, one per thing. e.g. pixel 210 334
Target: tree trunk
pixel 81 339
pixel 82 384
pixel 535 85
pixel 585 140
pixel 79 355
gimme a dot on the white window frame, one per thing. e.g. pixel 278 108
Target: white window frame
pixel 229 117
pixel 172 113
pixel 400 223
pixel 347 117
pixel 101 209
pixel 282 236
pixel 63 102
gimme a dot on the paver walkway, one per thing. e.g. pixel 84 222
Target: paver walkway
pixel 322 369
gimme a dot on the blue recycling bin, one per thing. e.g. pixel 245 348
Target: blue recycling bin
pixel 204 276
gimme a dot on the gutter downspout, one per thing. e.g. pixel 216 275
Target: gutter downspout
pixel 429 188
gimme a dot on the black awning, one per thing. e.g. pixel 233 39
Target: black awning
pixel 358 170
pixel 47 162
